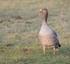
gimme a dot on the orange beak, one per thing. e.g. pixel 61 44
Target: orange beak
pixel 40 10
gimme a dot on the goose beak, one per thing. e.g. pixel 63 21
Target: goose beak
pixel 40 12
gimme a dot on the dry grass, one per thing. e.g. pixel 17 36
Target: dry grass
pixel 19 26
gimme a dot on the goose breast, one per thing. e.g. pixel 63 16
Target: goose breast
pixel 46 30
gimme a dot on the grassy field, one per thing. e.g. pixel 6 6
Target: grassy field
pixel 19 27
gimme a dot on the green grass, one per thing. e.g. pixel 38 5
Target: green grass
pixel 19 27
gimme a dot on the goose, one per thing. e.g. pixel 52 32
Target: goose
pixel 47 36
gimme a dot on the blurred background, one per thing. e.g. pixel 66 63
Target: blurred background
pixel 19 27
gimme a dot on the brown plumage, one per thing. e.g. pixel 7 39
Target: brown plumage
pixel 47 36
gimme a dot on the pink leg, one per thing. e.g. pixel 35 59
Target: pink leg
pixel 44 49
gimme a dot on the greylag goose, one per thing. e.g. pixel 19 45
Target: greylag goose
pixel 47 36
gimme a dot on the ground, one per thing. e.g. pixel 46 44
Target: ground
pixel 19 27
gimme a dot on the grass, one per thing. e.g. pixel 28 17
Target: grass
pixel 19 27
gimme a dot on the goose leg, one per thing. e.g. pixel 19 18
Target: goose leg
pixel 55 50
pixel 44 49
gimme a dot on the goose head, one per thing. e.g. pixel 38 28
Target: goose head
pixel 43 13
